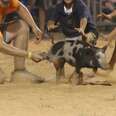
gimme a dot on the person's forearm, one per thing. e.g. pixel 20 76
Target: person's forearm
pixel 26 16
pixel 10 50
pixel 4 48
pixel 83 23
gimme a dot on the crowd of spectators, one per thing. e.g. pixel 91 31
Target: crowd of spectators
pixel 40 9
pixel 43 9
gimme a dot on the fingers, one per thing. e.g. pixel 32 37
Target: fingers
pixel 37 58
pixel 51 27
pixel 77 29
pixel 100 15
pixel 39 37
pixel 38 33
pixel 80 30
pixel 104 16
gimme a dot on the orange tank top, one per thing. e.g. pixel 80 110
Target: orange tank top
pixel 11 8
pixel 1 36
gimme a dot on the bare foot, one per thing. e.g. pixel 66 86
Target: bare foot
pixel 24 76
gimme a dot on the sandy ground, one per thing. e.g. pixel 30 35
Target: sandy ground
pixel 51 99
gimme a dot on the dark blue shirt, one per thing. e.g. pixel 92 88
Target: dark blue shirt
pixel 25 2
pixel 69 22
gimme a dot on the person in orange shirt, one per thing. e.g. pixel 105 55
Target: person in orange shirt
pixel 19 27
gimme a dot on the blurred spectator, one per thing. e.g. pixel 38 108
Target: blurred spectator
pixel 107 7
pixel 50 7
pixel 51 3
pixel 38 12
pixel 41 13
pixel 43 10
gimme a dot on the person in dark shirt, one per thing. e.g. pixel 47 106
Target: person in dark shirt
pixel 107 7
pixel 74 18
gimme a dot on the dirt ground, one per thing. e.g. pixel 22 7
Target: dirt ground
pixel 51 99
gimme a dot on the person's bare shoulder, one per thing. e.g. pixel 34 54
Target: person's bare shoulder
pixel 15 3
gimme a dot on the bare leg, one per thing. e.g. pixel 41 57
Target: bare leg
pixel 112 35
pixel 2 77
pixel 21 41
pixel 113 59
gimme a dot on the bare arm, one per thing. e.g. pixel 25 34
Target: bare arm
pixel 10 50
pixel 83 23
pixel 26 16
pixel 51 25
pixel 4 48
pixel 109 16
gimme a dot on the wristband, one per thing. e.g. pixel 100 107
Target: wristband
pixel 29 55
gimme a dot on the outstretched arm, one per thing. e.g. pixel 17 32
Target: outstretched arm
pixel 10 50
pixel 83 24
pixel 26 16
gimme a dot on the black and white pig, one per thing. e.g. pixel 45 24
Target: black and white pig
pixel 78 54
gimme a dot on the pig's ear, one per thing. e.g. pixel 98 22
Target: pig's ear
pixel 104 48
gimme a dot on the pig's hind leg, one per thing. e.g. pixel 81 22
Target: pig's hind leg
pixel 59 66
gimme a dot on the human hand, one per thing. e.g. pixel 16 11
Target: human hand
pixel 104 16
pixel 38 34
pixel 80 30
pixel 90 38
pixel 35 56
pixel 52 26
